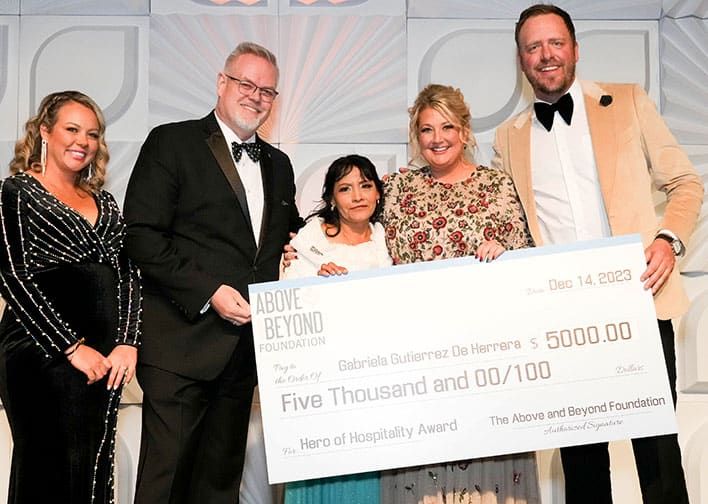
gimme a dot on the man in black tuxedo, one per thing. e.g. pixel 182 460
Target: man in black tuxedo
pixel 209 207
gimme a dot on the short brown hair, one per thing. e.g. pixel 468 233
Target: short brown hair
pixel 539 10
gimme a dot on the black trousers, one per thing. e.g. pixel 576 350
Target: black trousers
pixel 194 433
pixel 661 478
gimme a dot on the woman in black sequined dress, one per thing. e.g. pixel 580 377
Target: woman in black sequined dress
pixel 70 330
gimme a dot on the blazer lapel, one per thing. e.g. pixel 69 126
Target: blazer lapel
pixel 603 131
pixel 267 177
pixel 520 164
pixel 220 151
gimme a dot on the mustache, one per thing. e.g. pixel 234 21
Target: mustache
pixel 550 62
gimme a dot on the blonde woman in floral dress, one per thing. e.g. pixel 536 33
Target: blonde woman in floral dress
pixel 452 208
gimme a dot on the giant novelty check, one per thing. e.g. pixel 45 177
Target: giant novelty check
pixel 451 360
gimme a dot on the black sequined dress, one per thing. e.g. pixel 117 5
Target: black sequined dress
pixel 62 279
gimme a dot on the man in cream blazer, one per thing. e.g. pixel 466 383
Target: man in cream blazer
pixel 588 172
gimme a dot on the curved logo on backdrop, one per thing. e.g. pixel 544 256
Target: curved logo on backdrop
pixel 491 121
pixel 4 58
pixel 122 102
pixel 483 123
pixel 646 84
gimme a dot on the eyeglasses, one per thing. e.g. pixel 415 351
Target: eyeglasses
pixel 247 88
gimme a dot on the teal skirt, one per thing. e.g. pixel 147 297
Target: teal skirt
pixel 361 488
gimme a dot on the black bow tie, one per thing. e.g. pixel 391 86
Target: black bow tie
pixel 544 111
pixel 252 149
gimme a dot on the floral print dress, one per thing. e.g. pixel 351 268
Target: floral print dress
pixel 426 220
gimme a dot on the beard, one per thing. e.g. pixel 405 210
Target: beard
pixel 250 124
pixel 545 87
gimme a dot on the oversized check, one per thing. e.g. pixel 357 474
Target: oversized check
pixel 451 360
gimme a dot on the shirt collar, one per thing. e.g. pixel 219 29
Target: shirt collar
pixel 576 92
pixel 229 135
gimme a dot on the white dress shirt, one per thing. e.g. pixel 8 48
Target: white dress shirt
pixel 566 187
pixel 251 178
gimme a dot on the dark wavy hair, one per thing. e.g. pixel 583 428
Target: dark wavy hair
pixel 339 169
pixel 539 10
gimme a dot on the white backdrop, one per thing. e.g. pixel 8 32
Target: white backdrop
pixel 349 69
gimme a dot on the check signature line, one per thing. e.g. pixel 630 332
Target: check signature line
pixel 580 420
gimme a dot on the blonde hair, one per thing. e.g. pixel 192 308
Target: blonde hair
pixel 450 103
pixel 28 148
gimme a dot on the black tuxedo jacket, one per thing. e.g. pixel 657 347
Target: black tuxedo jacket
pixel 189 232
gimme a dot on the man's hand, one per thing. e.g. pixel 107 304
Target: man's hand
pixel 660 263
pixel 230 305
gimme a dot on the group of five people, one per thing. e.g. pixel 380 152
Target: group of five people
pixel 208 210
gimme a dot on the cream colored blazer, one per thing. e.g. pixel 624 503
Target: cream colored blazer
pixel 634 152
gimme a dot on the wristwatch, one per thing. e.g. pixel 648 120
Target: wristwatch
pixel 676 244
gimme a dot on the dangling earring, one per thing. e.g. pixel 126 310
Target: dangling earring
pixel 89 172
pixel 332 207
pixel 43 156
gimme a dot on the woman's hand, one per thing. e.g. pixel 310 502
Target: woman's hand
pixel 489 250
pixel 90 362
pixel 331 269
pixel 123 359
